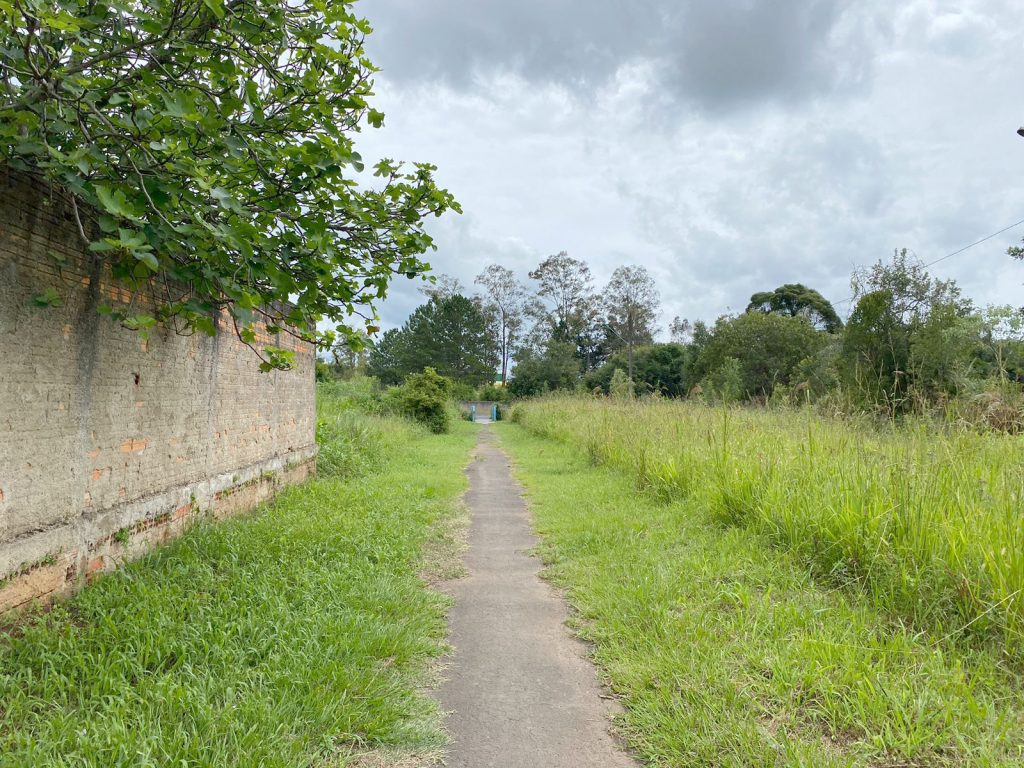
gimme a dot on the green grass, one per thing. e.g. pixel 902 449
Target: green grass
pixel 926 521
pixel 727 651
pixel 297 636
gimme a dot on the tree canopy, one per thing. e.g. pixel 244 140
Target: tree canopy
pixel 557 366
pixel 631 305
pixel 797 300
pixel 657 368
pixel 208 145
pixel 447 334
pixel 912 341
pixel 566 307
pixel 908 333
pixel 764 348
pixel 504 306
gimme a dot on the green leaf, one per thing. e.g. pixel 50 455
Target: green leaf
pixel 204 324
pixel 217 6
pixel 179 104
pixel 102 246
pixel 148 259
pixel 114 202
pixel 48 298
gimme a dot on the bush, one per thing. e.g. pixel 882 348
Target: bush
pixel 725 383
pixel 657 368
pixel 424 397
pixel 323 371
pixel 621 386
pixel 765 348
pixel 361 393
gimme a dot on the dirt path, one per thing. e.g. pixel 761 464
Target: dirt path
pixel 519 690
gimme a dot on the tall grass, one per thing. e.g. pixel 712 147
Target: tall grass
pixel 927 521
pixel 726 652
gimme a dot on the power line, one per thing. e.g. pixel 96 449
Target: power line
pixel 954 253
pixel 977 242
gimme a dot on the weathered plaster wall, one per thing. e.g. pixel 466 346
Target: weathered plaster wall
pixel 109 444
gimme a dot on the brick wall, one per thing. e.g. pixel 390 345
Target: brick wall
pixel 109 444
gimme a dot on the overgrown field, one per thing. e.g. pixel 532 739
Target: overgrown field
pixel 296 636
pixel 928 522
pixel 725 650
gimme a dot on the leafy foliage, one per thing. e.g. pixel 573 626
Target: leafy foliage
pixel 566 308
pixel 631 302
pixel 556 367
pixel 767 349
pixel 913 343
pixel 797 300
pixel 504 306
pixel 621 386
pixel 1016 252
pixel 908 334
pixel 207 145
pixel 657 368
pixel 724 384
pixel 448 334
pixel 424 397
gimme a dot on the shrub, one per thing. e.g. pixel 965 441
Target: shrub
pixel 361 393
pixel 424 397
pixel 766 349
pixel 725 383
pixel 323 371
pixel 621 386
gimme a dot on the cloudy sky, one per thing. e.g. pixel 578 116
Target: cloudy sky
pixel 727 146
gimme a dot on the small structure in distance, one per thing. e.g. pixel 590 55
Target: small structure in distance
pixel 480 411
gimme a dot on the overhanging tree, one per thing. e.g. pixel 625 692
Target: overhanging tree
pixel 206 147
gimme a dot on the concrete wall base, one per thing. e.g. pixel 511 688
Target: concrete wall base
pixel 57 561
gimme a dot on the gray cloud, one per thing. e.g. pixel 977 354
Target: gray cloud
pixel 822 136
pixel 712 54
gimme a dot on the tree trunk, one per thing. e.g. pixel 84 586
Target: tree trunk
pixel 629 341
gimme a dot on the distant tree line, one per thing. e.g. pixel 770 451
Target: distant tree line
pixel 542 336
pixel 910 340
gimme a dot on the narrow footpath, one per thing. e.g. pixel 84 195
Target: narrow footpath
pixel 520 691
